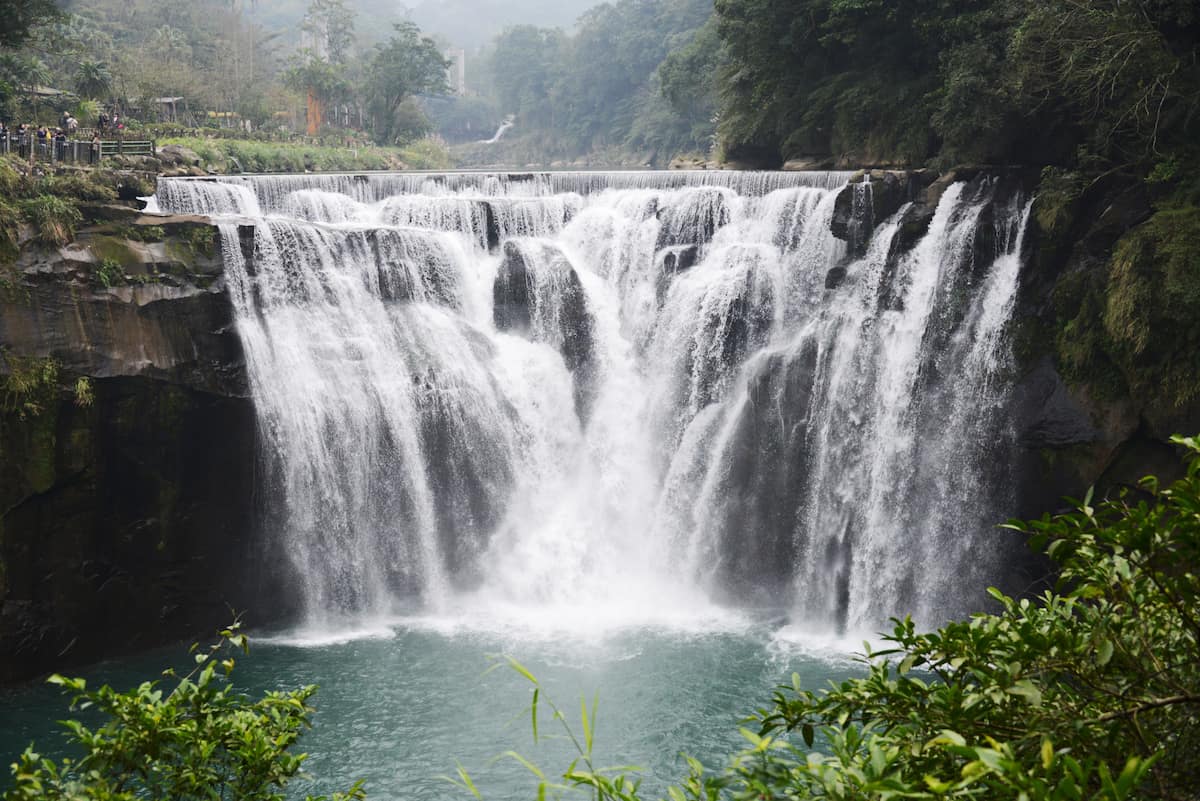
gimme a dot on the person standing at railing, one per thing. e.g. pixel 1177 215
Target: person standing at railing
pixel 94 153
pixel 5 146
pixel 60 145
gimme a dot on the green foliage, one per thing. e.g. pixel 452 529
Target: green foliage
pixel 93 80
pixel 109 273
pixel 200 239
pixel 27 385
pixel 1091 691
pixel 427 154
pixel 225 155
pixel 332 23
pixel 409 122
pixel 463 119
pixel 976 81
pixel 1126 72
pixel 407 64
pixel 326 81
pixel 1152 303
pixel 147 233
pixel 20 16
pixel 77 186
pixel 195 739
pixel 604 87
pixel 54 218
pixel 85 396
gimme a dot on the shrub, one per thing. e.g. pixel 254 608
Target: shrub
pixel 429 153
pixel 109 273
pixel 197 739
pixel 78 187
pixel 28 385
pixel 54 219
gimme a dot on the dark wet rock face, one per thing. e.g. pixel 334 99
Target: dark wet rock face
pixel 760 496
pixel 538 295
pixel 127 521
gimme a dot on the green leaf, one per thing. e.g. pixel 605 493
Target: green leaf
pixel 533 713
pixel 1104 652
pixel 517 666
pixel 532 768
pixel 587 728
pixel 806 731
pixel 1026 689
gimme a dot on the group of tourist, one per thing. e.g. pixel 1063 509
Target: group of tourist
pixel 27 139
pixel 105 122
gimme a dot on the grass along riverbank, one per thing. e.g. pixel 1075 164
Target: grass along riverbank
pixel 238 155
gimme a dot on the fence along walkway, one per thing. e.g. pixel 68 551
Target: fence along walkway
pixel 74 151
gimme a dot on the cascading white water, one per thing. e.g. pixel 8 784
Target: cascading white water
pixel 508 122
pixel 632 390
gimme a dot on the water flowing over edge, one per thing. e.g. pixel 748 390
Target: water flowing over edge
pixel 581 401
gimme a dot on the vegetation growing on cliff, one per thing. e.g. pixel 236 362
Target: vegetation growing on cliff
pixel 27 385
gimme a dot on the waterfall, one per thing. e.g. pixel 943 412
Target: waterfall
pixel 509 121
pixel 637 389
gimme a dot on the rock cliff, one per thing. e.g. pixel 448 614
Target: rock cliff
pixel 127 498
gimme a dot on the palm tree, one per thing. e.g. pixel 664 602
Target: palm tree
pixel 168 43
pixel 34 73
pixel 93 81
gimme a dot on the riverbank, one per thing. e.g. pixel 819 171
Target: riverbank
pixel 237 155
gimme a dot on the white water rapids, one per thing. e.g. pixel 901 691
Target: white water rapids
pixel 622 395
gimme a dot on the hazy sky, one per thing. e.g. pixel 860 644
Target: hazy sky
pixel 470 23
pixel 464 23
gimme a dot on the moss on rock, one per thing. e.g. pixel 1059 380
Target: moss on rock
pixel 115 249
pixel 1153 303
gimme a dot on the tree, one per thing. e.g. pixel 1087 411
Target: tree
pixel 324 84
pixel 21 17
pixel 199 739
pixel 331 25
pixel 92 79
pixel 407 64
pixel 1129 71
pixel 524 67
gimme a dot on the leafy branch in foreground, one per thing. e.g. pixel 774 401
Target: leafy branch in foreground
pixel 1088 692
pixel 197 740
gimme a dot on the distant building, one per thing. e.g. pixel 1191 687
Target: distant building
pixel 456 73
pixel 167 108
